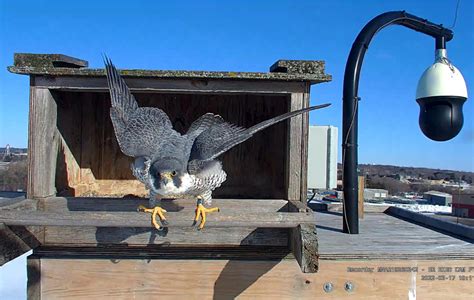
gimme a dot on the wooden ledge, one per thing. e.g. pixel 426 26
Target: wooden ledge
pixel 136 219
pixel 241 225
pixel 164 252
pixel 103 212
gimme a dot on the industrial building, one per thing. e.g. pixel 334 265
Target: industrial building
pixel 322 157
pixel 463 205
pixel 438 198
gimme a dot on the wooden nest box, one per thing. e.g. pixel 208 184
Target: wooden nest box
pixel 86 196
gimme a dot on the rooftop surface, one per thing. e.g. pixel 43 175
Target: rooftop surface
pixel 386 237
pixel 61 65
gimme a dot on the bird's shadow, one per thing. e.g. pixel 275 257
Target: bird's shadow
pixel 122 236
pixel 239 272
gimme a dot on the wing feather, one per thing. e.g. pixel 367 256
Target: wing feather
pixel 140 131
pixel 221 136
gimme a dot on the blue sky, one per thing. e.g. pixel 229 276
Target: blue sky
pixel 250 36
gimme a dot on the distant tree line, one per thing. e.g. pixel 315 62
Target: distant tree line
pixel 415 172
pixel 396 187
pixel 389 178
pixel 14 176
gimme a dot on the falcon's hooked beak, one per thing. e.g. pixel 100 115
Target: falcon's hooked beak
pixel 167 176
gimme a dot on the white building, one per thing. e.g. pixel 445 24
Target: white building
pixel 322 157
pixel 375 194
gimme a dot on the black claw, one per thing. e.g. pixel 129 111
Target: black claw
pixel 164 222
pixel 218 210
pixel 194 223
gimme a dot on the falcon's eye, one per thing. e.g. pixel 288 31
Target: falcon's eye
pixel 173 173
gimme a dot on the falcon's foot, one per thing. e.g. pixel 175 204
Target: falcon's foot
pixel 201 212
pixel 156 211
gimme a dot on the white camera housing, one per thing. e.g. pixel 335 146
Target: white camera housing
pixel 441 93
pixel 441 79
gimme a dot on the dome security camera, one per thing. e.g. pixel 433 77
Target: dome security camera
pixel 441 93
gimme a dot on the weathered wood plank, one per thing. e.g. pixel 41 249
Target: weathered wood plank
pixel 361 196
pixel 231 279
pixel 46 61
pixel 33 267
pixel 297 206
pixel 449 227
pixel 217 252
pixel 60 204
pixel 69 120
pixel 42 144
pixel 337 207
pixel 87 235
pixel 91 163
pixel 294 151
pixel 135 219
pixel 99 84
pixel 133 237
pixel 382 235
pixel 303 240
pixel 11 246
pixel 304 146
pixel 23 204
pixel 17 240
pixel 304 246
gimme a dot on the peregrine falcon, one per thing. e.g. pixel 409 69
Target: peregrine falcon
pixel 169 164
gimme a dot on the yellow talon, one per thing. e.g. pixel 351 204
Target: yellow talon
pixel 201 212
pixel 154 212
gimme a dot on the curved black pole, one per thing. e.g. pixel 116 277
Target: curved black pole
pixel 350 99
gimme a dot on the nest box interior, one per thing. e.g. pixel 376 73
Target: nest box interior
pixel 90 163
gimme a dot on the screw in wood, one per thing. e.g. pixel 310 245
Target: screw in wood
pixel 348 286
pixel 328 287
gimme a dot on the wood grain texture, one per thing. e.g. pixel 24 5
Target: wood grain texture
pixel 337 208
pixel 19 204
pixel 304 246
pixel 145 236
pixel 230 279
pixel 42 144
pixel 294 151
pixel 386 237
pixel 11 246
pixel 87 235
pixel 217 252
pixel 100 212
pixel 17 240
pixel 461 230
pixel 136 219
pixel 130 204
pixel 33 268
pixel 99 84
pixel 91 163
pixel 304 146
pixel 303 240
pixel 361 196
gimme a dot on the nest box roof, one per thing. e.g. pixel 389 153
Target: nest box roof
pixel 62 65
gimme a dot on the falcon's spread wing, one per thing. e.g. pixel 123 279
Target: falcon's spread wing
pixel 140 131
pixel 220 136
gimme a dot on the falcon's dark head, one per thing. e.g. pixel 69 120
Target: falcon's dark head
pixel 166 175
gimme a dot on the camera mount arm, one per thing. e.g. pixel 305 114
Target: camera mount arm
pixel 350 99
